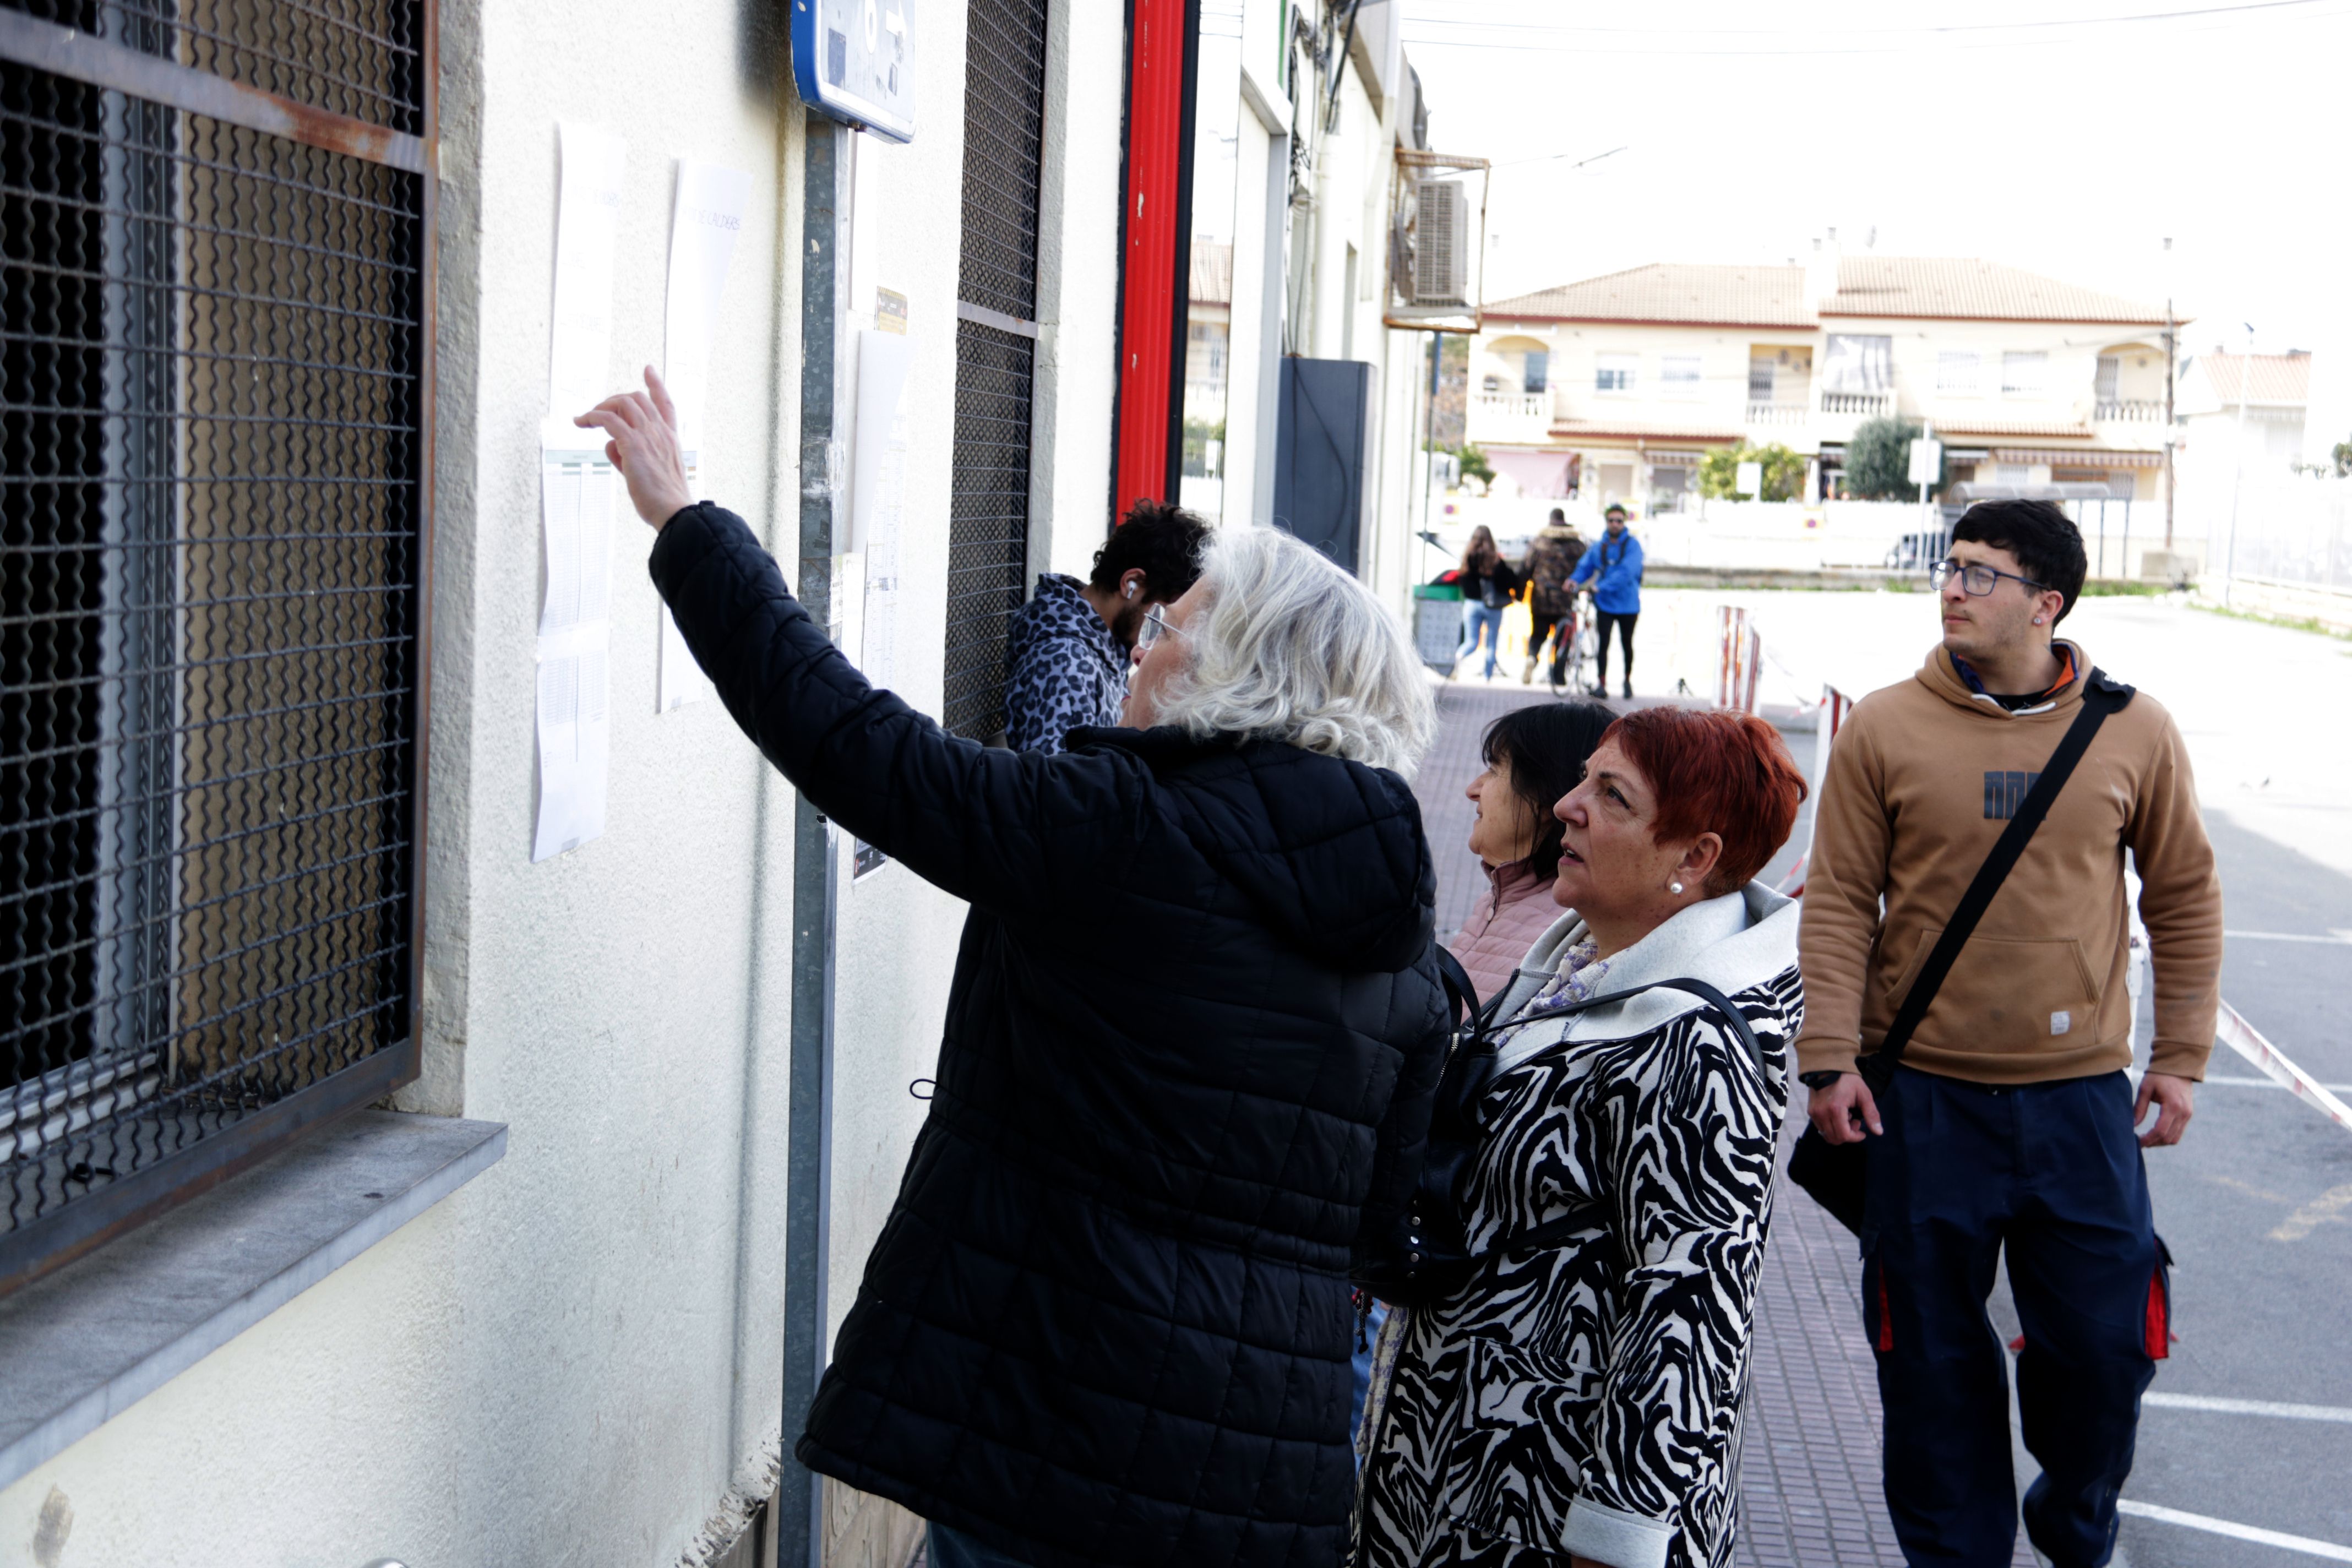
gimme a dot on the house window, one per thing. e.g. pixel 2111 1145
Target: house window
pixel 2110 376
pixel 1678 375
pixel 1958 374
pixel 210 551
pixel 1857 361
pixel 1614 372
pixel 1538 366
pixel 1759 381
pixel 2024 374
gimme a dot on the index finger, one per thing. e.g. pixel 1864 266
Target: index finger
pixel 661 404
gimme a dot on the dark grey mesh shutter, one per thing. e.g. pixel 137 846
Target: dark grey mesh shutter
pixel 211 416
pixel 988 528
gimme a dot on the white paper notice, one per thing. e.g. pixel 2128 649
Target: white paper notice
pixel 587 216
pixel 577 489
pixel 880 501
pixel 882 359
pixel 704 224
pixel 574 641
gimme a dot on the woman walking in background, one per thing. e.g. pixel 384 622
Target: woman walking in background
pixel 1533 756
pixel 1488 584
pixel 1575 1401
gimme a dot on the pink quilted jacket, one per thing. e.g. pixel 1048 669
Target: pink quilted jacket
pixel 1513 911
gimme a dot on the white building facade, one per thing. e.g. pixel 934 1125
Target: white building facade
pixel 1614 388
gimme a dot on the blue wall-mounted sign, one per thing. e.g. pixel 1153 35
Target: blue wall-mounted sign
pixel 855 59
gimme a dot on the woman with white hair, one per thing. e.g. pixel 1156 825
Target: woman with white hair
pixel 1193 1034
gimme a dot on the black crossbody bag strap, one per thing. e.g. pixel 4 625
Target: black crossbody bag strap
pixel 2101 697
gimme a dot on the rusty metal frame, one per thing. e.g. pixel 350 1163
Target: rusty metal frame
pixel 58 1238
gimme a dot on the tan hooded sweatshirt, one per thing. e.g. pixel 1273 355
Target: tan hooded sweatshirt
pixel 1923 779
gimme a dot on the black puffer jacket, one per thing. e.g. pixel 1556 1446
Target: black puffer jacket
pixel 1190 1042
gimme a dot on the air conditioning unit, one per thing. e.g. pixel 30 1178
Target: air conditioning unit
pixel 1441 244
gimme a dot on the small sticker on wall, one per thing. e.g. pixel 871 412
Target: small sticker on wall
pixel 2061 1022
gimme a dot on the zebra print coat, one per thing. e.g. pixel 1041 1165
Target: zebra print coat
pixel 1586 1399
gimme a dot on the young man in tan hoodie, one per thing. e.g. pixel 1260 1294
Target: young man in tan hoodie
pixel 2009 1124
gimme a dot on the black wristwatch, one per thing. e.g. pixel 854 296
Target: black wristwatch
pixel 1821 1078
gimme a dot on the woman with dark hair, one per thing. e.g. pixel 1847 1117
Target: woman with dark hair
pixel 1488 583
pixel 1575 1400
pixel 1534 755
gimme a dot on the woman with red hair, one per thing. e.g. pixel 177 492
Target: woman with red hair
pixel 1576 1399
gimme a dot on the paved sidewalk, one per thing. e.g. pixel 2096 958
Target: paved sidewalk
pixel 1809 1477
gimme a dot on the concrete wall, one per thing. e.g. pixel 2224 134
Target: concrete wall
pixel 575 1359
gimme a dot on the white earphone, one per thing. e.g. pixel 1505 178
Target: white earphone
pixel 1130 593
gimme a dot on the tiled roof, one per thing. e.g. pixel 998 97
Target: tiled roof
pixel 2277 378
pixel 1673 292
pixel 1950 288
pixel 1212 274
pixel 2029 430
pixel 1959 289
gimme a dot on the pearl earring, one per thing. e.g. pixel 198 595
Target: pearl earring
pixel 1673 887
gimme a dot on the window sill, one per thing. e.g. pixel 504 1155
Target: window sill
pixel 83 1344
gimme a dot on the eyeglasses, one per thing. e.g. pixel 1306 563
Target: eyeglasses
pixel 1155 624
pixel 1977 579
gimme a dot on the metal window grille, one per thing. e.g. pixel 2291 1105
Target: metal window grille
pixel 213 394
pixel 988 527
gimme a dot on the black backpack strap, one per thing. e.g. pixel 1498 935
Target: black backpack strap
pixel 2101 697
pixel 1460 996
pixel 1715 1001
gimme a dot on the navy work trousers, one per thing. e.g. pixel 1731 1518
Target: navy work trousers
pixel 2051 1174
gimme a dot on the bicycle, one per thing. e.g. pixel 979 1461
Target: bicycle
pixel 1581 655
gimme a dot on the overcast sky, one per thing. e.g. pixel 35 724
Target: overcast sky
pixel 2055 136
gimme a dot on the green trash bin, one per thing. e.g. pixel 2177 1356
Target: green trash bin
pixel 1436 624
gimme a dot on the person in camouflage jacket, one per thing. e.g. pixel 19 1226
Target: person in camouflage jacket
pixel 1551 602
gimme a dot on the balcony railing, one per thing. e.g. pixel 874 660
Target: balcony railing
pixel 2129 410
pixel 1512 405
pixel 1857 403
pixel 1776 414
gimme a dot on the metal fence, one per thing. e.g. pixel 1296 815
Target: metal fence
pixel 988 526
pixel 2293 532
pixel 212 406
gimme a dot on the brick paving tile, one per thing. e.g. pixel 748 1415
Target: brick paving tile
pixel 1809 1478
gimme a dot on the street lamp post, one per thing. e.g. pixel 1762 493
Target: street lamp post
pixel 2171 377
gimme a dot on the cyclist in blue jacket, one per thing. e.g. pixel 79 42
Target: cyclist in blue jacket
pixel 1613 565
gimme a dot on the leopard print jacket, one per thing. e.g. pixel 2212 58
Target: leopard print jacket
pixel 1062 669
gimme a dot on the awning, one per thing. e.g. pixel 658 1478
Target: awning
pixel 1539 474
pixel 2079 458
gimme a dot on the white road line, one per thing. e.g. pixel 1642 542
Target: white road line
pixel 2268 1083
pixel 2333 939
pixel 2278 1538
pixel 2251 1407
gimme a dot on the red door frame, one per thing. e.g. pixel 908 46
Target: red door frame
pixel 1155 250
